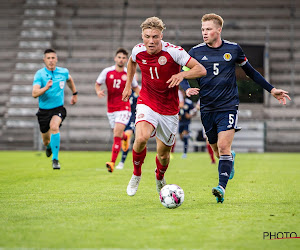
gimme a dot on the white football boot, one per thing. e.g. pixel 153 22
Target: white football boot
pixel 120 165
pixel 160 183
pixel 133 185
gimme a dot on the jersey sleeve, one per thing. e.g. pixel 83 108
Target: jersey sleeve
pixel 136 49
pixel 241 57
pixel 37 79
pixel 102 77
pixel 67 74
pixel 179 55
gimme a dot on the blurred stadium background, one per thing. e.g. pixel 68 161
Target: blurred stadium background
pixel 86 34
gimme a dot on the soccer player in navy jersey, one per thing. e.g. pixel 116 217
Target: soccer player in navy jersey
pixel 48 85
pixel 186 112
pixel 219 98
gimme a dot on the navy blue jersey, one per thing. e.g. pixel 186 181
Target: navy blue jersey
pixel 218 89
pixel 186 109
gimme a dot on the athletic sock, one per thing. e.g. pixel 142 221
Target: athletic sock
pixel 49 146
pixel 55 144
pixel 115 148
pixel 160 169
pixel 124 156
pixel 225 166
pixel 211 152
pixel 138 160
pixel 185 143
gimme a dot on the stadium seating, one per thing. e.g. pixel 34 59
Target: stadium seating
pixel 86 33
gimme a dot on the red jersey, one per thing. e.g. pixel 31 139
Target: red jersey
pixel 156 70
pixel 115 82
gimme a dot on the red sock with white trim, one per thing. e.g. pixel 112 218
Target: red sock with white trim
pixel 115 148
pixel 160 169
pixel 138 160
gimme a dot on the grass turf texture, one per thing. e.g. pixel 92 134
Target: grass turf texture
pixel 84 206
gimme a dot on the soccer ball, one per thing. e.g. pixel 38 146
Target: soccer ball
pixel 171 196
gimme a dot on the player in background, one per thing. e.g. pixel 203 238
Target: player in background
pixel 209 148
pixel 219 98
pixel 49 85
pixel 118 112
pixel 157 107
pixel 129 130
pixel 186 112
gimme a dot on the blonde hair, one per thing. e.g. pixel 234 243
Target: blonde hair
pixel 153 23
pixel 213 17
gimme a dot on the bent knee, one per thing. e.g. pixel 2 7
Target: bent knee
pixel 141 140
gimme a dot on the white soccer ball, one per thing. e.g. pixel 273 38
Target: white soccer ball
pixel 171 196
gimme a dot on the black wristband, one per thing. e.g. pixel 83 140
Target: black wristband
pixel 75 93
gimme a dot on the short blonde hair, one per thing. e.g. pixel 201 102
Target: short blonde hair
pixel 153 23
pixel 213 17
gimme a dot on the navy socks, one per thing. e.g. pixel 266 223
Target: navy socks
pixel 225 166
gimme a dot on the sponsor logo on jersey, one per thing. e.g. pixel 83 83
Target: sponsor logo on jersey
pixel 162 60
pixel 124 77
pixel 227 57
pixel 204 58
pixel 61 84
pixel 144 61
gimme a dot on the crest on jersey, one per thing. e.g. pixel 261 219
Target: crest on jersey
pixel 124 77
pixel 162 60
pixel 61 84
pixel 227 57
pixel 141 116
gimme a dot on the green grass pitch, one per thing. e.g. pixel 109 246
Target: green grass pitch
pixel 84 206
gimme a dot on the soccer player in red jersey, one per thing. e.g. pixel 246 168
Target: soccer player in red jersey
pixel 157 107
pixel 118 111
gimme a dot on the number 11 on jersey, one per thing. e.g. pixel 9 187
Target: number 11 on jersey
pixel 155 71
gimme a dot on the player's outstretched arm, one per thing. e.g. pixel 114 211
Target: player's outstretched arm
pixel 131 69
pixel 280 95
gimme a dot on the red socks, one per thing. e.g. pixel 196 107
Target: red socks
pixel 138 160
pixel 124 136
pixel 160 169
pixel 211 153
pixel 115 148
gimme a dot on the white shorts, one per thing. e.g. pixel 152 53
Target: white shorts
pixel 118 117
pixel 165 126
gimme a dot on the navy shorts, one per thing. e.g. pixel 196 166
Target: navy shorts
pixel 215 122
pixel 183 126
pixel 131 123
pixel 45 115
